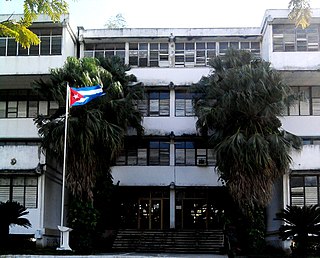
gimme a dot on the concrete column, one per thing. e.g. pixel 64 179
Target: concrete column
pixel 126 57
pixel 172 206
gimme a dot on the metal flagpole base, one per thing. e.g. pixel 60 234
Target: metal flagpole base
pixel 64 238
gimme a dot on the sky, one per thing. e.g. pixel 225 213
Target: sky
pixel 166 13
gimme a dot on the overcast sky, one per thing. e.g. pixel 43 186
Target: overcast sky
pixel 166 13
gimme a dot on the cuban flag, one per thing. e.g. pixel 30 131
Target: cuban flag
pixel 81 96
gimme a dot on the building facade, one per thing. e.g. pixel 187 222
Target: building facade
pixel 24 174
pixel 167 180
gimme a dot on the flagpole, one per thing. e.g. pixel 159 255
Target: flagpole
pixel 64 231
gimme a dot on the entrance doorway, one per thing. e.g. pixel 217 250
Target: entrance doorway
pixel 153 213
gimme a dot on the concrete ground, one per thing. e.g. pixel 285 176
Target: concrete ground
pixel 166 255
pixel 120 255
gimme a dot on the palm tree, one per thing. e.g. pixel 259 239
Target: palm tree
pixel 238 108
pixel 302 225
pixel 97 129
pixel 10 214
pixel 300 12
pixel 96 133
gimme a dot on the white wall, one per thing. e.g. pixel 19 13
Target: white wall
pixel 295 60
pixel 29 64
pixel 163 76
pixel 26 156
pixel 18 128
pixel 164 175
pixel 41 64
pixel 302 125
pixel 307 159
pixel 164 125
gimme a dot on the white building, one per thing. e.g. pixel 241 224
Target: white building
pixel 24 176
pixel 167 179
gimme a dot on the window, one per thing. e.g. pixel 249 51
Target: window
pixel 159 55
pixel 159 153
pixel 311 140
pixel 22 189
pixel 252 46
pixel 149 54
pixel 50 44
pixel 307 101
pixel 184 104
pixel 288 38
pixel 155 103
pixel 23 104
pixel 304 189
pixel 145 153
pixel 190 54
pixel 189 153
pixel 105 50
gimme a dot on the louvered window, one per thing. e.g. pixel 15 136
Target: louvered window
pixel 24 103
pixel 304 189
pixel 22 189
pixel 145 153
pixel 105 50
pixel 288 38
pixel 155 103
pixel 149 54
pixel 190 54
pixel 184 104
pixel 189 153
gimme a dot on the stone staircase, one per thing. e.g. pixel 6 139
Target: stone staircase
pixel 174 241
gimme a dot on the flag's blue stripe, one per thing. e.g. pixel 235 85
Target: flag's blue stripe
pixel 88 93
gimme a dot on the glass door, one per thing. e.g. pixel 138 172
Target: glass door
pixel 153 213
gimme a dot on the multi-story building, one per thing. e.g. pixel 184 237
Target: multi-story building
pixel 167 179
pixel 24 176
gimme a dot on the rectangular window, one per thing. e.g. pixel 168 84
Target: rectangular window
pixel 23 189
pixel 50 44
pixel 211 51
pixel 189 153
pixel 105 50
pixel 301 105
pixel 315 94
pixel 12 47
pixel 288 38
pixel 34 50
pixel 149 54
pixel 159 153
pixel 22 108
pixel 23 51
pixel 3 109
pixel 145 153
pixel 159 55
pixel 3 46
pixel 304 189
pixel 223 47
pixel 307 101
pixel 190 54
pixel 24 103
pixel 184 104
pixel 56 45
pixel 45 45
pixel 156 103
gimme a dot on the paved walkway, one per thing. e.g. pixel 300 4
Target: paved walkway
pixel 120 255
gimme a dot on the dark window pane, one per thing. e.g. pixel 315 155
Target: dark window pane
pixel 12 47
pixel 56 45
pixel 45 45
pixel 3 46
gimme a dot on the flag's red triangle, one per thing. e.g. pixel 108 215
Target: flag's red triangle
pixel 74 96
